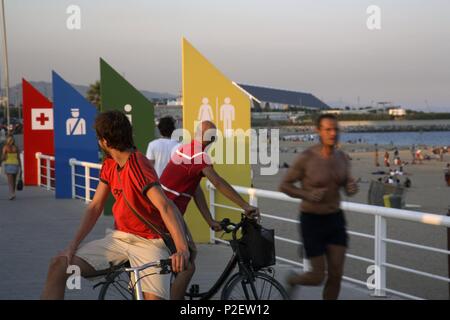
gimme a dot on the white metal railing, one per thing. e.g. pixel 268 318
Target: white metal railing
pixel 379 237
pixel 87 176
pixel 47 163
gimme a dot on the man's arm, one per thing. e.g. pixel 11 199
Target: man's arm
pixel 175 224
pixel 227 190
pixel 294 174
pixel 200 201
pixel 93 212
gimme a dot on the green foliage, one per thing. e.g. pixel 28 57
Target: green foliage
pixel 93 94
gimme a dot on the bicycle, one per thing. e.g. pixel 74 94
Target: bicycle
pixel 246 283
pixel 123 281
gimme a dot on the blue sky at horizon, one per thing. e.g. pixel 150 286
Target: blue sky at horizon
pixel 322 46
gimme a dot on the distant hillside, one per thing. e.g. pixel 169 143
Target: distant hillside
pixel 15 93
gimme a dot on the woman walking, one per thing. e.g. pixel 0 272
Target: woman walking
pixel 11 158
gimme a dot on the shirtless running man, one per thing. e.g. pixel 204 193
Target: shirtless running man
pixel 322 171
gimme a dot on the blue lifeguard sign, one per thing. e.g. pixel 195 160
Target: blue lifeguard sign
pixel 74 136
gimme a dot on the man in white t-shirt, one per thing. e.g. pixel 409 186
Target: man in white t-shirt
pixel 160 150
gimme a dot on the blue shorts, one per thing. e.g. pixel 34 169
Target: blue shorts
pixel 11 169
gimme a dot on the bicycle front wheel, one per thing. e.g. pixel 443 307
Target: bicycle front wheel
pixel 259 286
pixel 117 286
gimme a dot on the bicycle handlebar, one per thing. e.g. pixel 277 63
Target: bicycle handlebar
pixel 164 265
pixel 228 226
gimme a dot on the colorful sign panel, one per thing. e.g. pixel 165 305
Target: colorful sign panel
pixel 38 133
pixel 74 137
pixel 209 95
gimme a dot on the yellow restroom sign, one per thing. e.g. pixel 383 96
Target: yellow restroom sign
pixel 209 95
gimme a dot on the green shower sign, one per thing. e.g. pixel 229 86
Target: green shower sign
pixel 118 94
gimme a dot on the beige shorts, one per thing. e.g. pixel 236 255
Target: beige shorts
pixel 118 246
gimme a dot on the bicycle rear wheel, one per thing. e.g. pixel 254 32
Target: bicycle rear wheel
pixel 117 287
pixel 260 286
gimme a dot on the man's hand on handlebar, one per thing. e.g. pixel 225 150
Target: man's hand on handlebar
pixel 251 212
pixel 215 225
pixel 180 260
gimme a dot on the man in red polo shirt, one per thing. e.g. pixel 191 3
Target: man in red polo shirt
pixel 130 177
pixel 180 180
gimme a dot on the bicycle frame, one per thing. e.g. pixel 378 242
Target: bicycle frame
pixel 220 281
pixel 234 260
pixel 134 272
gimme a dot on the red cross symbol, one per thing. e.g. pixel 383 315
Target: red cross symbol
pixel 42 119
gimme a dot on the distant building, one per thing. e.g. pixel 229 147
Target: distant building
pixel 277 116
pixel 275 99
pixel 347 111
pixel 175 102
pixel 394 111
pixel 397 112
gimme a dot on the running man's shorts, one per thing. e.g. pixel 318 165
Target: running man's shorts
pixel 320 230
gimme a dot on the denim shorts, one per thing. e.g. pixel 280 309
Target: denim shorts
pixel 11 169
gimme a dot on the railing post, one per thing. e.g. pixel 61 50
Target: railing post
pixel 380 256
pixel 253 199
pixel 72 177
pixel 48 174
pixel 212 209
pixel 38 158
pixel 87 177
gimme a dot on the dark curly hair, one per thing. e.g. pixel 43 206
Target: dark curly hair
pixel 166 126
pixel 115 128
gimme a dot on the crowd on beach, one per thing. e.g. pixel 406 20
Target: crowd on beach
pixel 418 155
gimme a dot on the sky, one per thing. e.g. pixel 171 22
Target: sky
pixel 318 46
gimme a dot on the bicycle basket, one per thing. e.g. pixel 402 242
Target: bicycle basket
pixel 256 247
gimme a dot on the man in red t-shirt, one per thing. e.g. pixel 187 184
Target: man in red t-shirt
pixel 180 180
pixel 130 177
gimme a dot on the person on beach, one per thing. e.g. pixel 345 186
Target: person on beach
pixel 377 164
pixel 413 153
pixel 12 164
pixel 395 152
pixel 419 156
pixel 322 171
pixel 130 177
pixel 407 183
pixel 447 174
pixel 441 154
pixel 386 159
